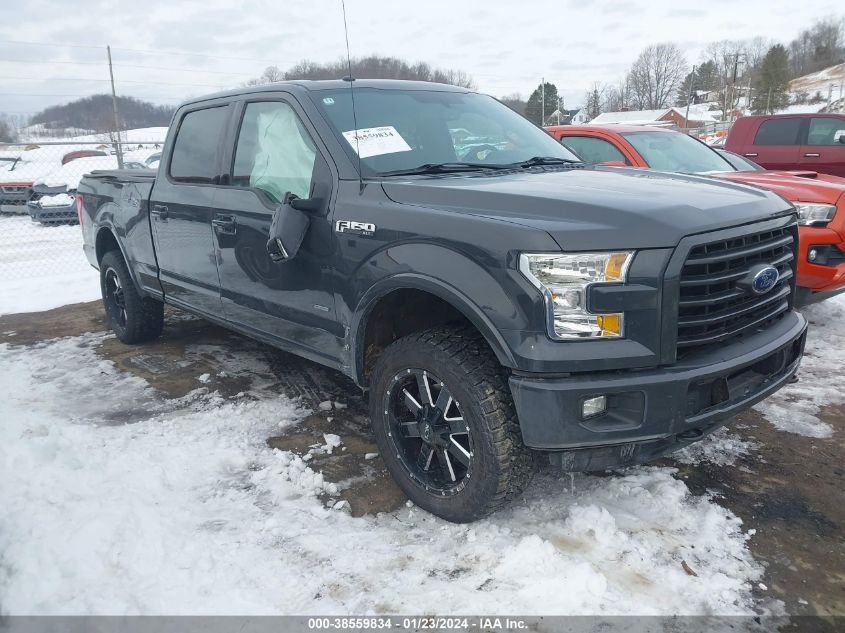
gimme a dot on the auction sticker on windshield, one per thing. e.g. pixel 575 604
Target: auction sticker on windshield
pixel 375 141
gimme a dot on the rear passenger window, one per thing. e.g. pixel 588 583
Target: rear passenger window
pixel 195 151
pixel 274 154
pixel 825 131
pixel 778 132
pixel 593 150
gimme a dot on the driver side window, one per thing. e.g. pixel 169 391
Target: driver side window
pixel 274 153
pixel 593 150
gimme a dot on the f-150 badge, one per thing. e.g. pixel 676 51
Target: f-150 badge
pixel 356 228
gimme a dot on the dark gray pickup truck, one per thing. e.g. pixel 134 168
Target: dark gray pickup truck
pixel 497 297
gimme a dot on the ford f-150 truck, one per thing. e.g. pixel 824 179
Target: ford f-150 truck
pixel 497 299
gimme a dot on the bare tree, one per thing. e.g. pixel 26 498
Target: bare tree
pixel 7 134
pixel 618 97
pixel 515 102
pixel 656 75
pixel 271 74
pixel 818 47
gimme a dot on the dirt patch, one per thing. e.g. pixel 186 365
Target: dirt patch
pixel 355 466
pixel 790 491
pixel 72 320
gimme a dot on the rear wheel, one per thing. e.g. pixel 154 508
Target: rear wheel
pixel 443 418
pixel 132 317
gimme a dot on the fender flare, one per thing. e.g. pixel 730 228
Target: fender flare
pixel 106 226
pixel 436 287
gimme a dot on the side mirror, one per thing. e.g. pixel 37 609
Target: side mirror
pixel 289 226
pixel 841 136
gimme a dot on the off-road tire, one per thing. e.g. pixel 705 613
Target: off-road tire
pixel 501 465
pixel 140 319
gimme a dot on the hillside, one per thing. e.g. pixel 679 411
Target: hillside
pixel 94 114
pixel 820 81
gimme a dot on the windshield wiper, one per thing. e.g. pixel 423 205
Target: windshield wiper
pixel 547 160
pixel 443 168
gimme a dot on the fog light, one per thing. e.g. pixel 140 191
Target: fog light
pixel 812 255
pixel 591 407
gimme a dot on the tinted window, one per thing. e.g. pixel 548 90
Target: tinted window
pixel 274 153
pixel 674 151
pixel 404 129
pixel 778 132
pixel 593 150
pixel 825 131
pixel 195 151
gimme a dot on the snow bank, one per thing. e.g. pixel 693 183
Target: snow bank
pixel 43 267
pixel 119 501
pixel 793 409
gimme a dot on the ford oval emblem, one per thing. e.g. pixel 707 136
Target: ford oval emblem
pixel 764 280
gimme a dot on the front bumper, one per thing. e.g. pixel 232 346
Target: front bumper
pixel 65 214
pixel 652 412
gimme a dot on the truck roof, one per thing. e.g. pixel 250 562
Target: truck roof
pixel 307 85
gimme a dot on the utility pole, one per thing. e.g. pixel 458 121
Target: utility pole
pixel 117 145
pixel 689 97
pixel 542 101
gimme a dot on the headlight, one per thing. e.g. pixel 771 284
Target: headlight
pixel 564 279
pixel 812 214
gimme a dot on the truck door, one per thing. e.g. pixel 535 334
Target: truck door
pixel 273 154
pixel 824 150
pixel 181 208
pixel 776 144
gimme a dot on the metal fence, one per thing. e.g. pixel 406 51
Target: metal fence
pixel 38 216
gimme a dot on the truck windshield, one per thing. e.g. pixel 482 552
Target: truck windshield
pixel 666 151
pixel 406 130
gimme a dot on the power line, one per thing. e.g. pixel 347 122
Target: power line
pixel 145 51
pixel 76 94
pixel 187 70
pixel 128 81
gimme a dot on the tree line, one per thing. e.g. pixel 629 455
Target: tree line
pixel 729 71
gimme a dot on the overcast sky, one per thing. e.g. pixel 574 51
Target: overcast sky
pixel 52 51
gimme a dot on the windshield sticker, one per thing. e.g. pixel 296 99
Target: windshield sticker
pixel 375 141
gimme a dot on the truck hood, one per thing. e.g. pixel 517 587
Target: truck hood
pixel 596 208
pixel 791 186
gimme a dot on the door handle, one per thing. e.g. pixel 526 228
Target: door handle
pixel 751 154
pixel 160 212
pixel 224 224
pixel 812 155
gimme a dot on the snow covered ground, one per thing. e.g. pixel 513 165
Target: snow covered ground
pixel 186 510
pixel 794 408
pixel 42 267
pixel 119 500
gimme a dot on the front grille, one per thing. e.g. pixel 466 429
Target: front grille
pixel 13 189
pixel 715 305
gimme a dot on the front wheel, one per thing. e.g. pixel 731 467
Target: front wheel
pixel 133 317
pixel 444 421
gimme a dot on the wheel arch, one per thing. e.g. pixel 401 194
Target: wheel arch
pixel 445 301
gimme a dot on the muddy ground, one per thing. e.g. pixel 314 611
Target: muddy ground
pixel 790 489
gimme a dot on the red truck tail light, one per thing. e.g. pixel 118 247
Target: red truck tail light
pixel 80 204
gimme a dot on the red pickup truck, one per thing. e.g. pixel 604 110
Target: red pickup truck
pixel 792 141
pixel 819 198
